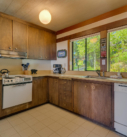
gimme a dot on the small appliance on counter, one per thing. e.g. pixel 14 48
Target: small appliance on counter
pixel 34 71
pixel 4 72
pixel 57 69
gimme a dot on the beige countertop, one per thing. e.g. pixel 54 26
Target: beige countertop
pixel 64 76
pixel 123 80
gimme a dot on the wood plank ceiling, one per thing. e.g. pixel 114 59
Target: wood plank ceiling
pixel 64 12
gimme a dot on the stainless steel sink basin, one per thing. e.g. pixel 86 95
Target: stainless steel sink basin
pixel 97 77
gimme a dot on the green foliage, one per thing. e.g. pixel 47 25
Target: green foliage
pixel 118 51
pixel 92 55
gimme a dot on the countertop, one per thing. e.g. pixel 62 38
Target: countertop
pixel 64 76
pixel 123 80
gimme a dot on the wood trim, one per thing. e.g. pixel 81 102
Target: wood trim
pixel 68 55
pixel 24 22
pixel 95 19
pixel 108 26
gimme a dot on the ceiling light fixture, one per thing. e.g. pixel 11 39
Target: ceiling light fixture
pixel 45 16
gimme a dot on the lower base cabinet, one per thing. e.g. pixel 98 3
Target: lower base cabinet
pixel 65 94
pixel 40 91
pixel 90 99
pixel 94 101
pixel 53 90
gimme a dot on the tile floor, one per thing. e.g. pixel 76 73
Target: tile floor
pixel 50 121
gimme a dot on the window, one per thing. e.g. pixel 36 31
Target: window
pixel 86 54
pixel 117 51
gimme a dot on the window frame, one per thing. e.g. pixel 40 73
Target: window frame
pixel 85 39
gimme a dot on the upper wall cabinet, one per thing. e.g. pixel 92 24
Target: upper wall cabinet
pixel 41 44
pixel 5 34
pixel 19 37
pixel 33 47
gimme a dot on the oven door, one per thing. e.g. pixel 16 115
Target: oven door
pixel 14 95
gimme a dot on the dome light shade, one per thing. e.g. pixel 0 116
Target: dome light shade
pixel 45 16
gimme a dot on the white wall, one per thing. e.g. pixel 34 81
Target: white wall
pixel 63 61
pixel 38 64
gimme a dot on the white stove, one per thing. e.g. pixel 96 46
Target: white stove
pixel 14 79
pixel 17 89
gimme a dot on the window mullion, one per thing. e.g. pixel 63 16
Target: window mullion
pixel 85 54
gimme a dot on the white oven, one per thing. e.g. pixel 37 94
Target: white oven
pixel 16 93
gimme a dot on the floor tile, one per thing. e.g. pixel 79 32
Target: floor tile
pixel 35 114
pixel 41 117
pixel 64 132
pixel 54 135
pixel 34 135
pixel 82 131
pixel 72 126
pixel 38 126
pixel 56 117
pixel 63 121
pixel 55 126
pixel 7 133
pixel 93 135
pixel 74 135
pixel 45 132
pixel 16 122
pixel 32 121
pixel 89 125
pixel 79 121
pixel 4 126
pixel 47 121
pixel 15 135
pixel 21 127
pixel 27 132
pixel 112 134
pixel 71 116
pixel 100 131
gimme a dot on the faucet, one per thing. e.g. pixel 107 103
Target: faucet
pixel 98 72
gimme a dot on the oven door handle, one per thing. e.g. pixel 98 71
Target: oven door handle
pixel 19 85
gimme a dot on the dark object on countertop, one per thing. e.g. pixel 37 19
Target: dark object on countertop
pixel 3 71
pixel 34 71
pixel 25 66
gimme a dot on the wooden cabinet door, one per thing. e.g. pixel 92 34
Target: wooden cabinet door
pixel 53 46
pixel 102 103
pixel 5 34
pixel 65 94
pixel 33 47
pixel 41 44
pixel 43 90
pixel 19 37
pixel 82 98
pixel 47 41
pixel 40 91
pixel 53 91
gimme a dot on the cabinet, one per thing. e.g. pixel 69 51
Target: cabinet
pixel 53 90
pixel 19 37
pixel 5 34
pixel 65 94
pixel 41 44
pixel 94 100
pixel 33 47
pixel 40 91
pixel 82 98
pixel 102 103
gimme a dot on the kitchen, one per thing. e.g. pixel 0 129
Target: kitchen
pixel 63 72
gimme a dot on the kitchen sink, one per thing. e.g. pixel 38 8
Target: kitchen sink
pixel 97 77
